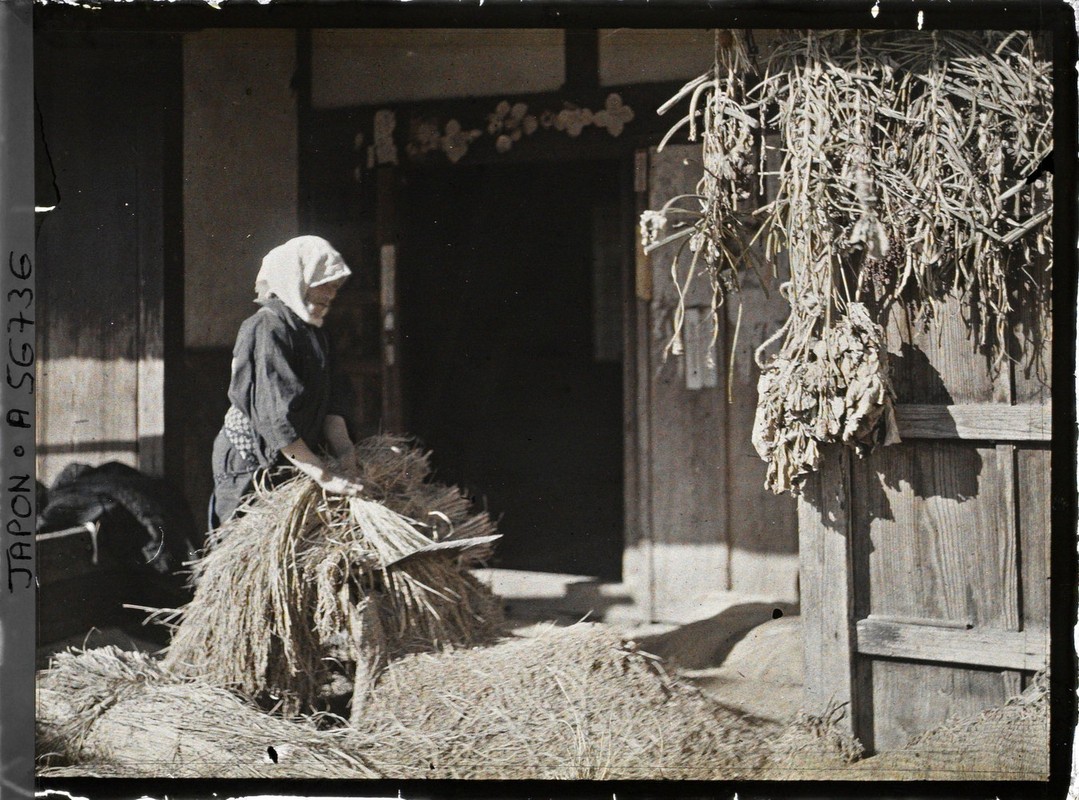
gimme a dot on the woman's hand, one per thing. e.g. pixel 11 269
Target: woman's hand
pixel 339 484
pixel 311 465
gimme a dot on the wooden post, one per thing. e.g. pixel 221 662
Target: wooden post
pixel 385 224
pixel 827 588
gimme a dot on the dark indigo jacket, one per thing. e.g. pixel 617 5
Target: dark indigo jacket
pixel 283 381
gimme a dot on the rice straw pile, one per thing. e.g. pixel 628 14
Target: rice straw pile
pixel 573 703
pixel 109 713
pixel 812 747
pixel 305 585
pixel 910 172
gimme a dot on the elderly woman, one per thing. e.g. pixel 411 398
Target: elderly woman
pixel 287 405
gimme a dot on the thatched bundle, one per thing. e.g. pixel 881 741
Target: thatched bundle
pixel 109 713
pixel 575 702
pixel 303 585
pixel 833 387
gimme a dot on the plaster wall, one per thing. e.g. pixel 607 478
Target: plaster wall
pixel 630 55
pixel 240 179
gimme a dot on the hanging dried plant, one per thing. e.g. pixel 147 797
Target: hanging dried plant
pixel 903 180
pixel 834 387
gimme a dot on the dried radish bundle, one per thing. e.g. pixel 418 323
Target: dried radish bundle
pixel 835 389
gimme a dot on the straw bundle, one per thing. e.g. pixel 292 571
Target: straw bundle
pixel 907 176
pixel 303 585
pixel 109 713
pixel 812 747
pixel 574 703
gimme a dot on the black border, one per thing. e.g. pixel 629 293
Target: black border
pixel 1057 16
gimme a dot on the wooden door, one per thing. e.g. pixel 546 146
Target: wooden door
pixel 926 565
pixel 694 470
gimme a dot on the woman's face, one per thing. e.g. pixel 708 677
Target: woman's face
pixel 319 299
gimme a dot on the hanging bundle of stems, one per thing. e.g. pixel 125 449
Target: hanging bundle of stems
pixel 905 179
pixel 713 220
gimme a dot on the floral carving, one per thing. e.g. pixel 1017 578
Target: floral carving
pixel 424 138
pixel 573 120
pixel 455 141
pixel 614 115
pixel 508 123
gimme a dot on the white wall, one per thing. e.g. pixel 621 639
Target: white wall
pixel 240 180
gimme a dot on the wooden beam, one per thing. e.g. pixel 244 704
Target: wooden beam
pixel 581 61
pixel 827 588
pixel 983 647
pixel 332 131
pixel 981 421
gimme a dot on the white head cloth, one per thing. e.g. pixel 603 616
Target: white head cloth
pixel 289 270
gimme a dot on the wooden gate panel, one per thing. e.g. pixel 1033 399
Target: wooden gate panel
pixel 946 597
pixel 938 548
pixel 697 471
pixel 910 698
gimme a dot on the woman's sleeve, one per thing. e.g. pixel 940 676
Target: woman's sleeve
pixel 342 398
pixel 265 384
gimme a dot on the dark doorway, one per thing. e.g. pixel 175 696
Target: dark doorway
pixel 509 297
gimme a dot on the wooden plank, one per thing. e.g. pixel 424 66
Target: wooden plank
pixel 980 421
pixel 1032 367
pixel 87 253
pixel 937 546
pixel 689 479
pixel 931 513
pixel 940 364
pixel 637 568
pixel 1006 498
pixel 150 299
pixel 1034 534
pixel 984 647
pixel 764 554
pixel 393 411
pixel 824 555
pixel 909 698
pixel 645 575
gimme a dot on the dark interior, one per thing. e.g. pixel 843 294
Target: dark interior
pixel 502 378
